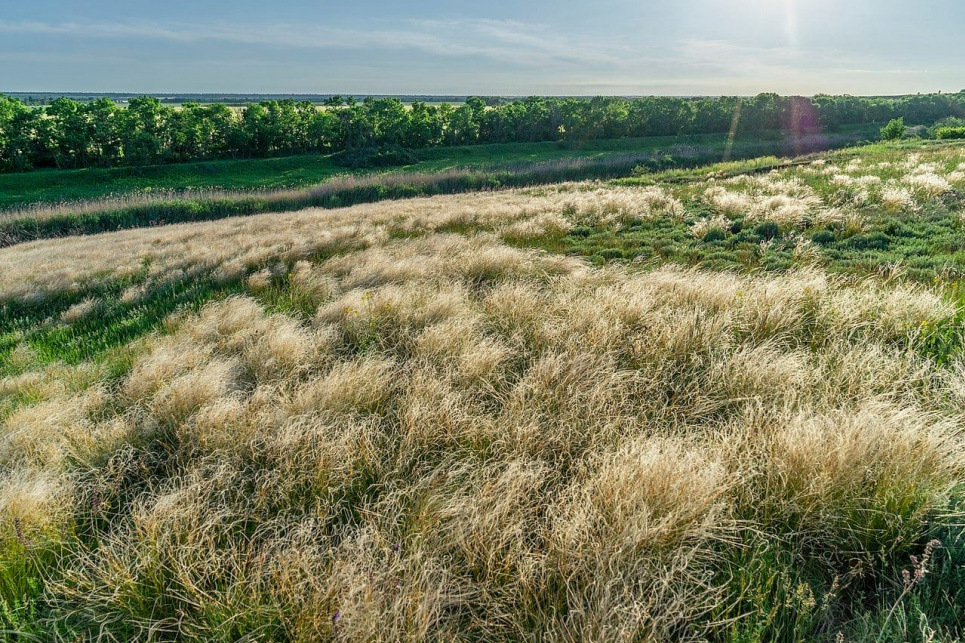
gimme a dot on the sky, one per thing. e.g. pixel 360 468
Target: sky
pixel 484 47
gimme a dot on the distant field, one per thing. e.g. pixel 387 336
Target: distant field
pixel 48 186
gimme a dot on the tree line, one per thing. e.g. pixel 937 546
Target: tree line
pixel 72 134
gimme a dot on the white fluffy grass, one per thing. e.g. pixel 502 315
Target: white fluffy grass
pixel 466 428
pixel 894 197
pixel 467 440
pixel 771 203
pixel 928 183
pixel 700 228
pixel 180 253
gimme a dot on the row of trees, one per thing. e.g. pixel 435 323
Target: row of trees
pixel 72 134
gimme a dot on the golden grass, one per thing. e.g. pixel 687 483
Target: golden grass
pixel 469 440
pixel 464 440
pixel 153 257
pixel 229 250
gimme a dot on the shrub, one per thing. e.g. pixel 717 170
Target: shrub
pixel 951 121
pixel 715 234
pixel 611 254
pixel 581 231
pixel 823 237
pixel 944 133
pixel 767 230
pixel 894 130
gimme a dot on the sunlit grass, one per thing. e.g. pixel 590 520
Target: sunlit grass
pixel 423 420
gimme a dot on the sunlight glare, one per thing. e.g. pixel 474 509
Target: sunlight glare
pixel 790 21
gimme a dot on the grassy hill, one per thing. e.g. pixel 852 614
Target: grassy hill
pixel 722 403
pixel 63 202
pixel 56 186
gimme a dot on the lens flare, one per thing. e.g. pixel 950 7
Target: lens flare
pixel 790 21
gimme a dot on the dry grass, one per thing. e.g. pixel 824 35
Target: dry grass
pixel 180 253
pixel 467 441
pixel 472 441
pixel 845 194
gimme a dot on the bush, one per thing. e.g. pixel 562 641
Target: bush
pixel 823 237
pixel 581 231
pixel 767 230
pixel 894 130
pixel 611 254
pixel 715 234
pixel 951 121
pixel 373 157
pixel 946 133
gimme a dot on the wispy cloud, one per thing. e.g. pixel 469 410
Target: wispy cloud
pixel 505 41
pixel 475 55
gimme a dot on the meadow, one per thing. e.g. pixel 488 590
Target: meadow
pixel 21 190
pixel 50 203
pixel 713 403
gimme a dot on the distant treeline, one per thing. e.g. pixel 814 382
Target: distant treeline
pixel 41 98
pixel 73 134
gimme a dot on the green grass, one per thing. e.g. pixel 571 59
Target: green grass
pixel 55 186
pixel 115 324
pixel 926 244
pixel 445 171
pixel 924 247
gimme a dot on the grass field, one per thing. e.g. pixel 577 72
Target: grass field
pixel 444 171
pixel 721 403
pixel 56 186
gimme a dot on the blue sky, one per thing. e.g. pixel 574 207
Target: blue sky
pixel 677 47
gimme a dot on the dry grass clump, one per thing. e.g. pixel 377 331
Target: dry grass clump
pixel 620 205
pixel 821 458
pixel 32 505
pixel 702 227
pixel 788 202
pixel 895 198
pixel 728 203
pixel 786 211
pixel 854 165
pixel 845 180
pixel 542 226
pixel 466 440
pixel 797 197
pixel 80 310
pixel 928 183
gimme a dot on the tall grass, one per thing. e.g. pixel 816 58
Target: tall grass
pixel 388 424
pixel 144 209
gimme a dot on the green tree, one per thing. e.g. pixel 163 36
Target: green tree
pixel 388 120
pixel 106 128
pixel 17 125
pixel 67 133
pixel 465 126
pixel 147 131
